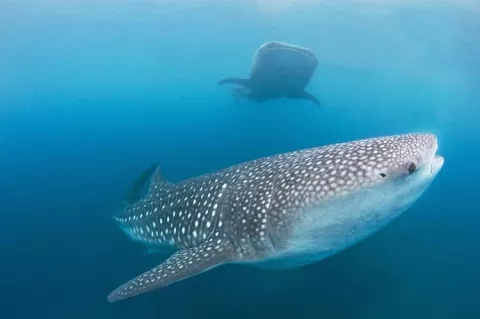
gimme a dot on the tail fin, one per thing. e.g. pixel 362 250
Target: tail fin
pixel 137 189
pixel 242 82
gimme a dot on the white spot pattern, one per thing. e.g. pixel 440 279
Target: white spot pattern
pixel 254 204
pixel 182 264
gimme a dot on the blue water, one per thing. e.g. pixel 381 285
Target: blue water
pixel 92 92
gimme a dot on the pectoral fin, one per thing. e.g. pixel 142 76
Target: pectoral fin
pixel 181 265
pixel 237 81
pixel 304 95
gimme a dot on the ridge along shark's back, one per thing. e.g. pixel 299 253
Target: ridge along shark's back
pixel 293 208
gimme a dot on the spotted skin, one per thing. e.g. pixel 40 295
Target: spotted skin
pixel 181 215
pixel 302 205
pixel 180 265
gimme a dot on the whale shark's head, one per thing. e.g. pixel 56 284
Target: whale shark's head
pixel 393 168
pixel 351 190
pixel 398 169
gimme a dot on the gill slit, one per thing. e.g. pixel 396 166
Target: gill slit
pixel 270 207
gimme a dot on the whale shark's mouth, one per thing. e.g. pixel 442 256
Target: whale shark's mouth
pixel 436 161
pixel 437 164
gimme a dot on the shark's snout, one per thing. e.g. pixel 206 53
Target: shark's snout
pixel 428 155
pixel 437 164
pixel 432 146
pixel 435 161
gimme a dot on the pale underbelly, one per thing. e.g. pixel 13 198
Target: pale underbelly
pixel 328 232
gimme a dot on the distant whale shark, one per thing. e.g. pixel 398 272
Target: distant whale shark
pixel 281 211
pixel 279 70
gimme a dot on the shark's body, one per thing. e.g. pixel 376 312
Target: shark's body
pixel 279 70
pixel 281 211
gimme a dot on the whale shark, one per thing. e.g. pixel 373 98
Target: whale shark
pixel 281 211
pixel 279 70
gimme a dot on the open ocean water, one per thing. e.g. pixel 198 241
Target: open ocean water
pixel 92 92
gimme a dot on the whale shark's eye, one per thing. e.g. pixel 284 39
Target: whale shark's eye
pixel 383 175
pixel 412 168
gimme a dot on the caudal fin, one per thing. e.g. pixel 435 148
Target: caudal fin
pixel 150 180
pixel 137 189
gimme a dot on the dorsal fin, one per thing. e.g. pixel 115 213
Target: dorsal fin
pixel 157 182
pixel 137 189
pixel 157 177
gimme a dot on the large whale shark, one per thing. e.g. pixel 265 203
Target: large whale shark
pixel 281 211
